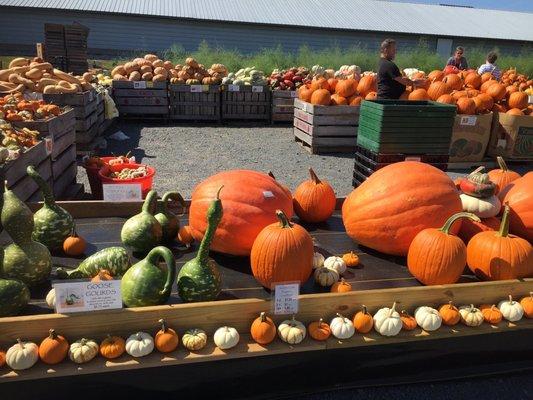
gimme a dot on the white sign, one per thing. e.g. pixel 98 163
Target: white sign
pixel 286 298
pixel 257 89
pixel 139 84
pixel 196 89
pixel 468 120
pixel 48 145
pixel 413 158
pixel 233 88
pixel 294 93
pixel 122 192
pixel 74 296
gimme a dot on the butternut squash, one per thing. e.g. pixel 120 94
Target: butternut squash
pixel 65 77
pixel 19 62
pixel 34 73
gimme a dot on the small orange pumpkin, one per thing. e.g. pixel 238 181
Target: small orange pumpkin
pixel 355 100
pixel 518 100
pixel 351 259
pixel 263 330
pixel 185 235
pixel 103 275
pixel 53 349
pixel 371 96
pixel 496 91
pixel 341 287
pixel 491 314
pixel 319 330
pixel 503 176
pixel 112 347
pixel 453 81
pixel 166 339
pixel 526 302
pixel 338 100
pixel 320 83
pixel 473 80
pixel 446 99
pixel 314 200
pixel 438 89
pixel 363 321
pixel 408 321
pixel 449 314
pixel 74 245
pixel 304 93
pixel 466 106
pixel 2 357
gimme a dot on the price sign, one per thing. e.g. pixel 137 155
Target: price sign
pixel 286 298
pixel 469 120
pixel 257 89
pixel 75 296
pixel 233 88
pixel 294 94
pixel 196 88
pixel 139 84
pixel 122 192
pixel 150 84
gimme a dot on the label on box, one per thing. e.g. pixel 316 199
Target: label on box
pixel 196 89
pixel 139 84
pixel 286 298
pixel 413 158
pixel 469 120
pixel 48 145
pixel 122 192
pixel 75 296
pixel 294 93
pixel 91 95
pixel 502 143
pixel 233 88
pixel 257 89
pixel 149 84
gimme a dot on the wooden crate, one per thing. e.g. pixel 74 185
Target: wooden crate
pixel 325 129
pixel 137 99
pixel 67 178
pixel 54 127
pixel 246 102
pixel 194 102
pixel 283 105
pixel 25 188
pixel 71 99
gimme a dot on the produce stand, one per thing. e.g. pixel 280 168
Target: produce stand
pixel 283 105
pixel 141 99
pixel 194 102
pixel 325 129
pixel 246 102
pixel 512 137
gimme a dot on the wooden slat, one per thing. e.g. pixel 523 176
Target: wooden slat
pixel 140 93
pixel 141 101
pixel 319 131
pixel 284 94
pixel 325 110
pixel 331 120
pixel 71 99
pixel 334 141
pixel 131 85
pixel 54 126
pixel 65 179
pixel 63 161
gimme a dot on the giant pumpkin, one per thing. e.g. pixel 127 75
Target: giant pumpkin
pixel 519 195
pixel 396 202
pixel 249 200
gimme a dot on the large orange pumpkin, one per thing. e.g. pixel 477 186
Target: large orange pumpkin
pixel 249 200
pixel 473 80
pixel 466 106
pixel 437 89
pixel 366 85
pixel 418 94
pixel 487 102
pixel 453 81
pixel 282 252
pixel 314 200
pixel 485 85
pixel 304 93
pixel 496 91
pixel 503 176
pixel 486 77
pixel 446 99
pixel 338 100
pixel 436 75
pixel 396 202
pixel 320 83
pixel 332 82
pixel 346 88
pixel 519 195
pixel 321 97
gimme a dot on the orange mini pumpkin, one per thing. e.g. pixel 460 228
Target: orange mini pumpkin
pixel 466 106
pixel 351 259
pixel 166 339
pixel 527 305
pixel 449 314
pixel 112 347
pixel 408 321
pixel 491 314
pixel 53 349
pixel 503 176
pixel 2 357
pixel 341 287
pixel 103 275
pixel 263 330
pixel 74 245
pixel 363 321
pixel 367 84
pixel 314 200
pixel 185 236
pixel 319 330
pixel 338 100
pixel 518 100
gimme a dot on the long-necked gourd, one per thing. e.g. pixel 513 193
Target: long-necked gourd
pixel 169 222
pixel 52 223
pixel 14 296
pixel 116 260
pixel 25 259
pixel 199 278
pixel 143 232
pixel 145 283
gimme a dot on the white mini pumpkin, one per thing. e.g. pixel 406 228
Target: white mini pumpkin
pixel 194 339
pixel 470 315
pixel 483 208
pixel 139 344
pixel 387 321
pixel 335 263
pixel 51 298
pixel 22 355
pixel 226 337
pixel 342 327
pixel 318 260
pixel 83 350
pixel 326 276
pixel 292 331
pixel 428 318
pixel 511 310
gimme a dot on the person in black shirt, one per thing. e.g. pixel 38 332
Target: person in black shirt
pixel 391 83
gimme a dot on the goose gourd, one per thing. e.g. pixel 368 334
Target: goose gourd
pixel 143 232
pixel 263 330
pixel 52 223
pixel 25 259
pixel 314 200
pixel 199 279
pixel 145 283
pixel 22 355
pixel 14 296
pixel 169 222
pixel 53 349
pixel 166 339
pixel 116 260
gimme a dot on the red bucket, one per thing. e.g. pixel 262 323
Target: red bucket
pixel 146 181
pixel 94 178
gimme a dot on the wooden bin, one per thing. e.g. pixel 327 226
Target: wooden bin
pixel 283 105
pixel 194 102
pixel 325 129
pixel 141 99
pixel 246 102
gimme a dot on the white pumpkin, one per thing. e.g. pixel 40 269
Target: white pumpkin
pixel 483 208
pixel 511 310
pixel 387 321
pixel 318 260
pixel 51 298
pixel 83 350
pixel 194 339
pixel 470 315
pixel 335 263
pixel 22 355
pixel 428 318
pixel 139 344
pixel 342 327
pixel 292 331
pixel 226 337
pixel 326 276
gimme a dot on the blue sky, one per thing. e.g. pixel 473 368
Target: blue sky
pixel 510 5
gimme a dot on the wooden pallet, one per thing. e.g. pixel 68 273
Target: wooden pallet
pixel 194 102
pixel 283 105
pixel 246 102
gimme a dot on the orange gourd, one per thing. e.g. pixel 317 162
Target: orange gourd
pixel 519 196
pixel 363 321
pixel 337 100
pixel 435 257
pixel 485 102
pixel 377 215
pixel 453 81
pixel 341 287
pixel 53 349
pixel 418 94
pixel 473 80
pixel 496 91
pixel 449 314
pixel 332 82
pixel 314 200
pixel 491 314
pixel 526 303
pixel 515 111
pixel 166 339
pixel 319 330
pixel 351 259
pixel 367 84
pixel 437 89
pixel 263 330
pixel 320 83
pixel 249 199
pixel 498 255
pixel 74 245
pixel 408 321
pixel 486 76
pixel 446 99
pixel 518 100
pixel 503 176
pixel 510 90
pixel 346 88
pixel 185 235
pixel 2 358
pixel 103 275
pixel 469 227
pixel 321 97
pixel 282 252
pixel 436 75
pixel 466 106
pixel 304 93
pixel 112 347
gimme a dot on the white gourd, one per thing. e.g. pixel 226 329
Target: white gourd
pixel 387 321
pixel 470 315
pixel 226 337
pixel 51 298
pixel 83 350
pixel 483 208
pixel 326 276
pixel 22 355
pixel 318 260
pixel 335 263
pixel 428 318
pixel 291 331
pixel 342 327
pixel 139 344
pixel 511 310
pixel 194 339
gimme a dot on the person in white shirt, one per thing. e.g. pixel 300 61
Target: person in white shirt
pixel 490 66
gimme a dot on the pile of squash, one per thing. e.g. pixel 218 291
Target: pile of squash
pixel 13 107
pixel 193 73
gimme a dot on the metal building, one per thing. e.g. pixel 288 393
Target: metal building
pixel 121 26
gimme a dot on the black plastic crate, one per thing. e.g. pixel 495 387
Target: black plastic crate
pixel 358 178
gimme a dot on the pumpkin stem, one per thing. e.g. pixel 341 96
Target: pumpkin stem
pixel 502 164
pixel 52 334
pixel 510 299
pixel 20 343
pixel 262 316
pixel 5 185
pixel 471 308
pixel 83 341
pixel 392 310
pixel 284 221
pixel 477 170
pixel 314 177
pixel 269 173
pixel 163 325
pixel 320 322
pixel 138 336
pixel 448 224
pixel 504 225
pixel 340 316
pixel 364 310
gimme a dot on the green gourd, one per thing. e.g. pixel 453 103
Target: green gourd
pixel 14 296
pixel 116 260
pixel 143 232
pixel 52 223
pixel 199 279
pixel 145 283
pixel 24 259
pixel 169 222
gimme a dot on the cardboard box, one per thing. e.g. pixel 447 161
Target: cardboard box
pixel 512 137
pixel 470 137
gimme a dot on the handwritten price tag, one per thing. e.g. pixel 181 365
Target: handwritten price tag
pixel 257 89
pixel 286 298
pixel 233 88
pixel 122 192
pixel 139 85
